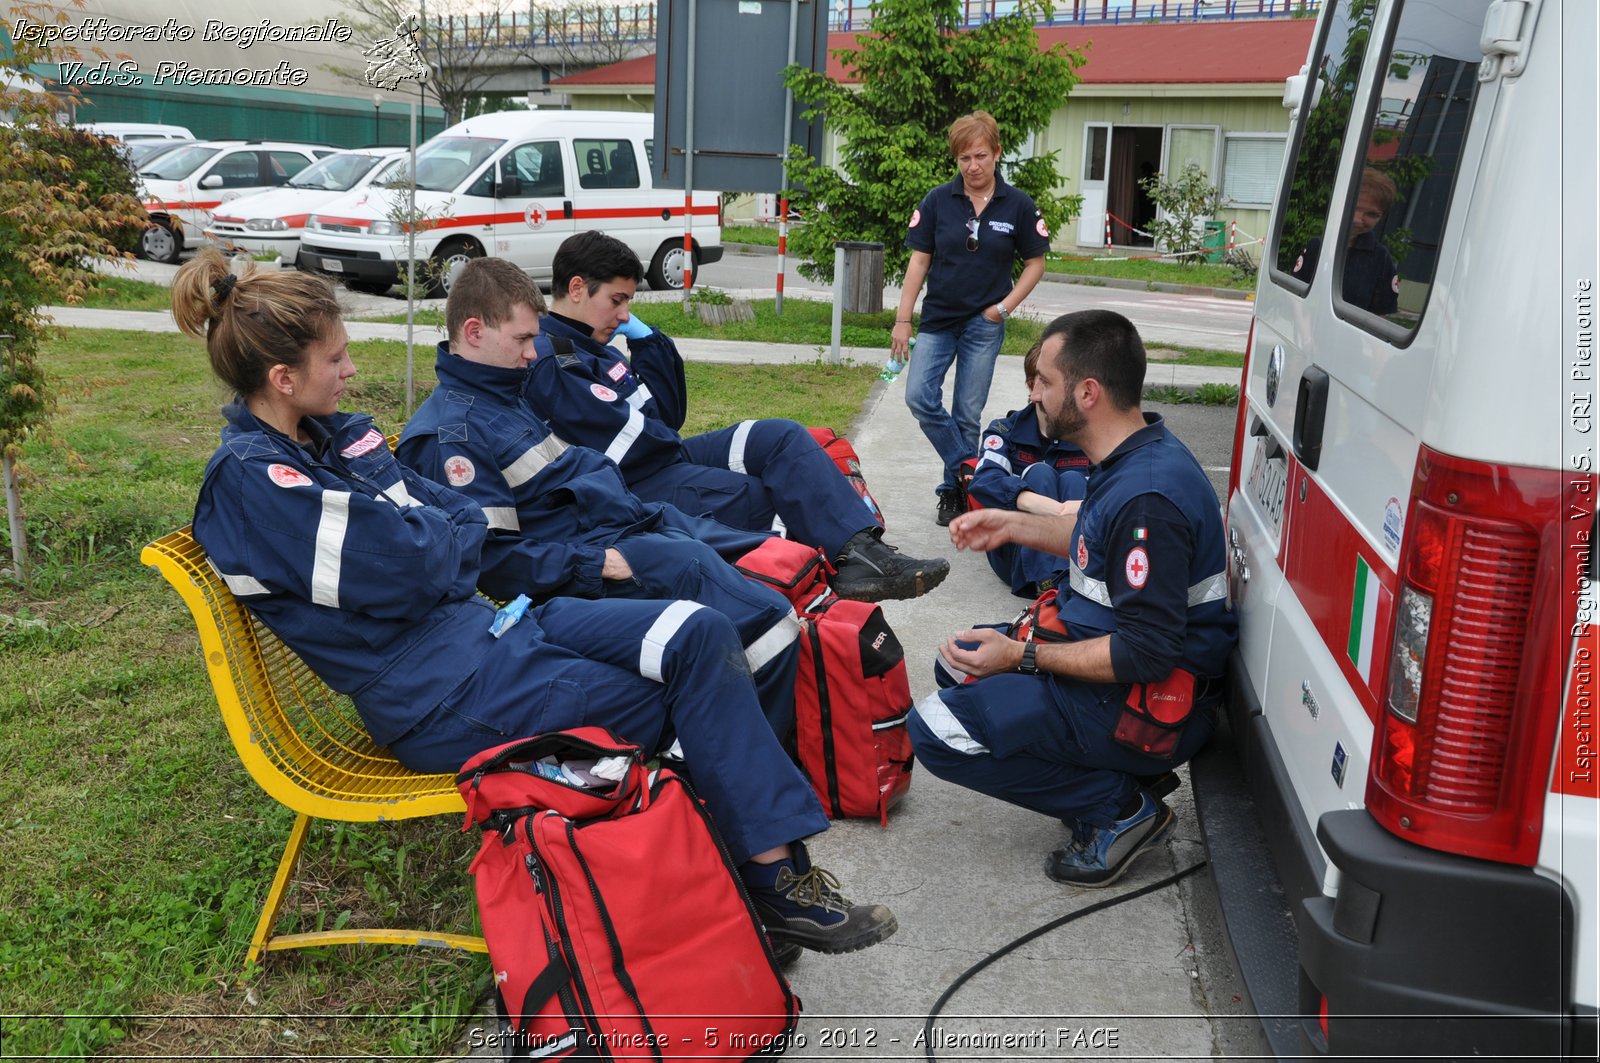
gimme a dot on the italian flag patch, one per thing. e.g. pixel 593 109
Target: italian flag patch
pixel 1369 600
pixel 1141 534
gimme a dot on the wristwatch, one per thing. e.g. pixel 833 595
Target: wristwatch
pixel 1029 666
pixel 1000 308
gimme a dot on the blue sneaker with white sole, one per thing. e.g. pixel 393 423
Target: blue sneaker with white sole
pixel 1101 855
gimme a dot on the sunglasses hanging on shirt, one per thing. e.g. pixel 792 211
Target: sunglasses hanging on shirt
pixel 972 234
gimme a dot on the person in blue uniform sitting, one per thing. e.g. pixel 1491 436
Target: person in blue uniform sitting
pixel 631 409
pixel 369 572
pixel 1020 467
pixel 561 520
pixel 1069 728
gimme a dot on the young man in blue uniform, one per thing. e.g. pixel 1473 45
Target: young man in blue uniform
pixel 1069 728
pixel 630 409
pixel 561 520
pixel 1020 467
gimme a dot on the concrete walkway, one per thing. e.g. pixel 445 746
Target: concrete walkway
pixel 964 874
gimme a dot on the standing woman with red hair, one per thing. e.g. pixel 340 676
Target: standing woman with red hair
pixel 964 239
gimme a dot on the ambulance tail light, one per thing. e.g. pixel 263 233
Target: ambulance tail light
pixel 1462 751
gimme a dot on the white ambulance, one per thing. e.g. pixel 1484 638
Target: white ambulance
pixel 515 185
pixel 1410 523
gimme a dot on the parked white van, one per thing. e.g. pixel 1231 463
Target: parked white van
pixel 515 185
pixel 273 222
pixel 1410 523
pixel 132 131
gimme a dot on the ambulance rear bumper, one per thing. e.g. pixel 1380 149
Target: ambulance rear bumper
pixel 1422 953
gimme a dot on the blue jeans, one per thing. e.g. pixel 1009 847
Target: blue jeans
pixel 973 345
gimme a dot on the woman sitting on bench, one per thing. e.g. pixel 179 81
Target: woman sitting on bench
pixel 369 573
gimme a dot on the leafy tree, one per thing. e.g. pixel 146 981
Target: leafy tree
pixel 63 202
pixel 1187 201
pixel 918 71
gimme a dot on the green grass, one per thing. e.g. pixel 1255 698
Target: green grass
pixel 136 849
pixel 1201 356
pixel 803 321
pixel 1151 269
pixel 761 235
pixel 121 293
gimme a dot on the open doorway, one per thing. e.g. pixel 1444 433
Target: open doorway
pixel 1135 155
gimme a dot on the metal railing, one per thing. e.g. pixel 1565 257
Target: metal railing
pixel 636 23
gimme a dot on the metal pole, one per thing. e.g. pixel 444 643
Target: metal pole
pixel 788 131
pixel 19 541
pixel 688 165
pixel 838 303
pixel 411 265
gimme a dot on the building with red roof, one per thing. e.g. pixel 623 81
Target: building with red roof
pixel 1151 98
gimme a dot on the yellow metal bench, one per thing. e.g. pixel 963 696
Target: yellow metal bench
pixel 302 743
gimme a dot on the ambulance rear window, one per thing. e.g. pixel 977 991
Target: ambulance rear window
pixel 1331 92
pixel 1394 216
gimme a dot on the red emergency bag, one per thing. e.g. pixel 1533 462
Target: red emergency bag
pixel 852 694
pixel 848 462
pixel 616 923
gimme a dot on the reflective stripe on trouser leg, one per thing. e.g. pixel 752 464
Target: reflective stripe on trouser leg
pixel 944 726
pixel 653 647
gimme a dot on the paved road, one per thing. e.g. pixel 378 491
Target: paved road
pixel 1180 320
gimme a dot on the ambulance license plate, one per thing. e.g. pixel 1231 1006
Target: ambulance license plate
pixel 1269 479
pixel 333 265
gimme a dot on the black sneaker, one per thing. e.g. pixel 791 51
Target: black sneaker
pixel 870 570
pixel 801 904
pixel 1100 855
pixel 952 503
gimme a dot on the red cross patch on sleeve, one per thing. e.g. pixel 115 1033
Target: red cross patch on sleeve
pixel 1137 567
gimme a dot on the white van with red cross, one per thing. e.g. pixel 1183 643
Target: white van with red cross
pixel 514 185
pixel 1411 517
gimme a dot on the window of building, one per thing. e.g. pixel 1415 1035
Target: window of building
pixel 1250 167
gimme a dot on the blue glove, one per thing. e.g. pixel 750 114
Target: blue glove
pixel 634 329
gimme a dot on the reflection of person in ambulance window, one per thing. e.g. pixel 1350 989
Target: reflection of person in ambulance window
pixel 1371 281
pixel 1021 467
pixel 368 572
pixel 1082 730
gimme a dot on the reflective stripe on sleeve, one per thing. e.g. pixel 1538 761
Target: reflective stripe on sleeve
pixel 637 400
pixel 503 518
pixel 624 439
pixel 741 435
pixel 994 457
pixel 241 586
pixel 330 548
pixel 946 728
pixel 533 460
pixel 398 494
pixel 766 648
pixel 1210 589
pixel 653 647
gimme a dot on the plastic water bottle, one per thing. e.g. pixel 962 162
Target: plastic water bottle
pixel 894 365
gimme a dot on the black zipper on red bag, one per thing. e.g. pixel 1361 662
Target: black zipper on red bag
pixel 825 713
pixel 619 966
pixel 558 917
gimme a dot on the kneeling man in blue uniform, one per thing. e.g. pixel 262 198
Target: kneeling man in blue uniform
pixel 630 409
pixel 1074 729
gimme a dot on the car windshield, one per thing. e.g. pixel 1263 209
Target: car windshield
pixel 446 161
pixel 179 164
pixel 336 173
pixel 146 150
pixel 392 173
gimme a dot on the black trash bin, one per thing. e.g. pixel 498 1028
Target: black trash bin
pixel 861 287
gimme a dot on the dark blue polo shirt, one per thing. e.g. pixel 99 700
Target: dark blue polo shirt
pixel 964 283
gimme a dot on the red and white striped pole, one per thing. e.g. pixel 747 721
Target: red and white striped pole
pixel 783 250
pixel 688 243
pixel 1108 230
pixel 1233 233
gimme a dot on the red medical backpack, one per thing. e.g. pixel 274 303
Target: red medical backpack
pixel 844 456
pixel 616 923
